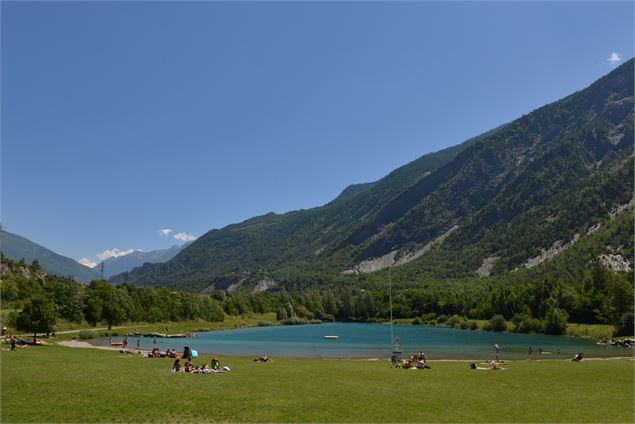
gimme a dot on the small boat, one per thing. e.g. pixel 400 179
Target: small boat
pixel 331 337
pixel 116 343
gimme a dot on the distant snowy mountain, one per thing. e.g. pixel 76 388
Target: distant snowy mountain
pixel 119 264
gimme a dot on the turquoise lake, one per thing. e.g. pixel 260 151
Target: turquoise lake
pixel 373 341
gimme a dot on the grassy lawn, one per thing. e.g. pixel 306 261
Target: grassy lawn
pixel 57 384
pixel 595 331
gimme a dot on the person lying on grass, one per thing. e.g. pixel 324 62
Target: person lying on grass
pixel 577 357
pixel 188 367
pixel 263 358
pixel 421 365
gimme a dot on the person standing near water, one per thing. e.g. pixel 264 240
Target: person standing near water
pixel 497 348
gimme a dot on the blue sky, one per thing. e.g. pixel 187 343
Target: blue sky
pixel 122 119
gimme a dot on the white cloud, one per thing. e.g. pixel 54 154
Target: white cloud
pixel 614 59
pixel 87 262
pixel 184 237
pixel 114 253
pixel 165 232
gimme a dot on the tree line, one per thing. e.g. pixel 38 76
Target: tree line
pixel 545 305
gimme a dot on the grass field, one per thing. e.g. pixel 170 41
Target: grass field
pixel 58 384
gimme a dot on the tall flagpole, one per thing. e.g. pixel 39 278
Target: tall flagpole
pixel 392 338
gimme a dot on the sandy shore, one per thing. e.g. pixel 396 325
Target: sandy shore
pixel 86 345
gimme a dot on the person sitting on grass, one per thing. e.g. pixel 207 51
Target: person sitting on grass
pixel 177 365
pixel 577 357
pixel 407 364
pixel 215 365
pixel 263 358
pixel 187 353
pixel 421 365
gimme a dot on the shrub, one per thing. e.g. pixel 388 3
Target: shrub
pixel 517 319
pixel 327 318
pixel 472 325
pixel 555 321
pixel 537 325
pixel 429 317
pixel 525 326
pixel 625 325
pixel 315 321
pixel 454 321
pixel 487 326
pixel 417 321
pixel 264 323
pixel 463 324
pixel 497 323
pixel 294 321
pixel 303 312
pixel 86 334
pixel 442 319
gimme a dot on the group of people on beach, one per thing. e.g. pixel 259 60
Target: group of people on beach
pixel 416 361
pixel 17 342
pixel 189 367
pixel 156 353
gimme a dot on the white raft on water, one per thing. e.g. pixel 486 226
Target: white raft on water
pixel 331 337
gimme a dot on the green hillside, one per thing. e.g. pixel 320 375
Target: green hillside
pixel 502 202
pixel 16 247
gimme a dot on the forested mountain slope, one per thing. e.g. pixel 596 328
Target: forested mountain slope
pixel 16 247
pixel 511 199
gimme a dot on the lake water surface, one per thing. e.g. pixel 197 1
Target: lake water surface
pixel 373 341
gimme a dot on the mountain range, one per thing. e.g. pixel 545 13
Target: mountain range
pixel 16 247
pixel 120 264
pixel 545 194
